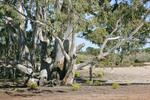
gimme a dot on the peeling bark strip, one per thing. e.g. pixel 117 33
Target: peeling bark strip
pixel 79 47
pixel 22 68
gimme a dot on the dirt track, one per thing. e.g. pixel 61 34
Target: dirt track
pixel 138 91
pixel 133 92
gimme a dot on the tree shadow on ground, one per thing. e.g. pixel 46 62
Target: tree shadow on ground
pixel 18 94
pixel 104 82
pixel 83 80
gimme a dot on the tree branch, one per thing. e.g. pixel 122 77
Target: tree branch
pixel 108 38
pixel 102 55
pixel 61 46
pixel 80 46
pixel 35 21
pixel 48 25
pixel 22 68
pixel 130 37
pixel 113 38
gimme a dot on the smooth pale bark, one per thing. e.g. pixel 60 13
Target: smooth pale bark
pixel 24 69
pixel 18 35
pixel 46 60
pixel 79 47
pixel 72 68
pixel 60 65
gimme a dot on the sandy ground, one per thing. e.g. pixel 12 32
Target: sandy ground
pixel 139 90
pixel 123 75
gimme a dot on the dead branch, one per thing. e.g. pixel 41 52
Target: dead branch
pixel 80 46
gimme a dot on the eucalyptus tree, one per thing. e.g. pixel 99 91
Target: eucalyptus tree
pixel 131 10
pixel 55 24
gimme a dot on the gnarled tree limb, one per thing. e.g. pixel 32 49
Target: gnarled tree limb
pixel 80 46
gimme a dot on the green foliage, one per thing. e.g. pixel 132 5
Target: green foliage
pixel 94 73
pixel 77 61
pixel 6 85
pixel 16 89
pixel 142 57
pixel 2 12
pixel 147 50
pixel 97 36
pixel 6 10
pixel 115 85
pixel 138 64
pixel 97 83
pixel 92 51
pixel 75 87
pixel 88 82
pixel 16 84
pixel 83 57
pixel 100 84
pixel 93 19
pixel 128 84
pixel 110 61
pixel 77 73
pixel 100 74
pixel 105 19
pixel 32 86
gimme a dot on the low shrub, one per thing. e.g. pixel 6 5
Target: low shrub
pixel 88 82
pixel 96 83
pixel 77 61
pixel 75 87
pixel 138 64
pixel 16 89
pixel 77 73
pixel 100 84
pixel 32 86
pixel 94 73
pixel 115 85
pixel 128 84
pixel 6 85
pixel 100 74
pixel 16 84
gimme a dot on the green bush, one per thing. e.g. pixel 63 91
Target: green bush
pixel 94 73
pixel 88 82
pixel 16 84
pixel 142 57
pixel 100 74
pixel 128 84
pixel 6 85
pixel 96 83
pixel 75 87
pixel 138 64
pixel 139 61
pixel 32 86
pixel 77 73
pixel 100 83
pixel 77 61
pixel 83 57
pixel 15 90
pixel 115 85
